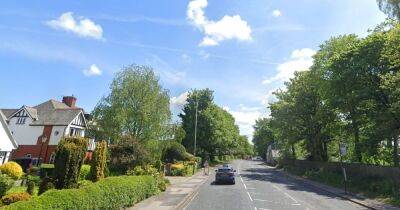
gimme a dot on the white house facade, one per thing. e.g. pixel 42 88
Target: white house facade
pixel 38 129
pixel 7 142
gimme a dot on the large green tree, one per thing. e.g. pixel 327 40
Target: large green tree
pixel 263 136
pixel 137 106
pixel 390 8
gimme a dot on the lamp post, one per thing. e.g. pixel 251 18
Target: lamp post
pixel 43 140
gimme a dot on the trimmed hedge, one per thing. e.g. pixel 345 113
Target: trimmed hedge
pixel 108 193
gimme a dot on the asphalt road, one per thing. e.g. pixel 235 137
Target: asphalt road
pixel 259 187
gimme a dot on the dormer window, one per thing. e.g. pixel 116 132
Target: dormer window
pixel 21 120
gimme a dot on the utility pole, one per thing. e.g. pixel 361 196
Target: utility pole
pixel 195 132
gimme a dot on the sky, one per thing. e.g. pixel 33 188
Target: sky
pixel 243 50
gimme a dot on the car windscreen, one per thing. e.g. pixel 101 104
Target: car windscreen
pixel 224 170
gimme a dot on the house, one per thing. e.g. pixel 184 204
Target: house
pixel 38 129
pixel 7 142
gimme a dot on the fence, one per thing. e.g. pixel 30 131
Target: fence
pixel 352 169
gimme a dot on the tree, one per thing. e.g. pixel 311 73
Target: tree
pixel 68 162
pixel 217 133
pixel 137 106
pixel 98 162
pixel 173 151
pixel 263 136
pixel 390 8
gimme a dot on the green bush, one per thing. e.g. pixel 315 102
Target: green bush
pixel 15 197
pixel 6 183
pixel 69 158
pixel 47 183
pixel 30 187
pixel 84 173
pixel 109 193
pixel 98 163
pixel 174 152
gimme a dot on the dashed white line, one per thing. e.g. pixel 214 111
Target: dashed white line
pixel 249 196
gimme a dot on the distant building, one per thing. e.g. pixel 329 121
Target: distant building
pixel 7 142
pixel 38 129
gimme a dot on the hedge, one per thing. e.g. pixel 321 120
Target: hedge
pixel 108 193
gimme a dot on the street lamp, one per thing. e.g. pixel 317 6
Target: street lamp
pixel 43 140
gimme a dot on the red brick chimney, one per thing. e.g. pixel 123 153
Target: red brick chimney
pixel 69 101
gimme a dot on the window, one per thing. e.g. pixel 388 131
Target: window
pixel 56 133
pixel 28 155
pixel 71 132
pixel 52 158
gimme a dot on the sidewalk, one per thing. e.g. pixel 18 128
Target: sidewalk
pixel 181 190
pixel 359 199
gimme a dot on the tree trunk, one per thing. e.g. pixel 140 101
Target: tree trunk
pixel 396 151
pixel 293 151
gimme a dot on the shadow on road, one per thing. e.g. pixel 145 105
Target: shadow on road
pixel 260 173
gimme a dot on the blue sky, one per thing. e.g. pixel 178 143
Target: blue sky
pixel 243 50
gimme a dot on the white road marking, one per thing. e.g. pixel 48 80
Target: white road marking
pixel 249 196
pixel 264 209
pixel 287 195
pixel 296 204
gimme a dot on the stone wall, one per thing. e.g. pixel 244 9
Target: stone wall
pixel 352 169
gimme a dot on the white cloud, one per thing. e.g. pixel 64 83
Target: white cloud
pixel 276 13
pixel 81 26
pixel 300 60
pixel 203 54
pixel 179 100
pixel 245 118
pixel 92 71
pixel 229 27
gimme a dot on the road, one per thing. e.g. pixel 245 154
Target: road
pixel 259 187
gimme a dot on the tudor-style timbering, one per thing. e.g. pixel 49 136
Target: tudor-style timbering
pixel 47 122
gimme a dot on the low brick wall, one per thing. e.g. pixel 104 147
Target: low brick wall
pixel 352 169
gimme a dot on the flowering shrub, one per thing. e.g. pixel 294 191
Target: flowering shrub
pixel 12 169
pixel 14 197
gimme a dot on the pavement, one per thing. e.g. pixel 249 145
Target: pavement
pixel 177 195
pixel 259 187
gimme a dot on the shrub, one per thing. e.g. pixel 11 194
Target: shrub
pixel 47 183
pixel 174 152
pixel 14 197
pixel 31 187
pixel 99 160
pixel 84 173
pixel 12 169
pixel 33 170
pixel 35 179
pixel 69 158
pixel 109 193
pixel 6 183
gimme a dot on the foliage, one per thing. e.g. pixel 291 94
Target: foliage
pixel 6 183
pixel 217 133
pixel 99 161
pixel 12 169
pixel 46 184
pixel 30 187
pixel 137 106
pixel 84 173
pixel 143 170
pixel 181 169
pixel 69 159
pixel 390 8
pixel 173 152
pixel 46 170
pixel 350 95
pixel 108 193
pixel 127 154
pixel 15 197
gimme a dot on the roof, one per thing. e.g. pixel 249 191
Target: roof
pixel 5 126
pixel 8 112
pixel 51 112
